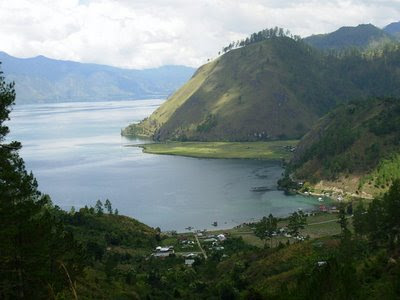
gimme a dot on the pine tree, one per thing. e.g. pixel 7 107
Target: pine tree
pixel 33 246
pixel 297 221
pixel 108 206
pixel 99 208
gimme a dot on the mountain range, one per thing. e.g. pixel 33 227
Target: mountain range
pixel 41 79
pixel 276 87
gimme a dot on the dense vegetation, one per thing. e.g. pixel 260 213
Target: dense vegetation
pixel 355 139
pixel 260 36
pixel 360 263
pixel 273 88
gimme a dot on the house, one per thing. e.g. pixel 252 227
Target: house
pixel 210 240
pixel 191 255
pixel 163 251
pixel 323 208
pixel 334 210
pixel 221 237
pixel 189 262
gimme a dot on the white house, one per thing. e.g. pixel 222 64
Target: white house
pixel 221 237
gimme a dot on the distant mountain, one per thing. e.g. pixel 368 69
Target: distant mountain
pixel 41 79
pixel 393 29
pixel 273 89
pixel 362 36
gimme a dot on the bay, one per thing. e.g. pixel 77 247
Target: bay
pixel 76 152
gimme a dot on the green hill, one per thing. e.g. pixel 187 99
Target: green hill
pixel 362 36
pixel 273 89
pixel 358 142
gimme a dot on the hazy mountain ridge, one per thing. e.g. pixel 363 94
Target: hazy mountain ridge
pixel 41 79
pixel 362 36
pixel 393 29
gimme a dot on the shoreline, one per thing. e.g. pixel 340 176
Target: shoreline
pixel 336 195
pixel 284 218
pixel 260 150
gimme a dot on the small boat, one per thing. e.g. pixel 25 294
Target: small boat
pixel 260 189
pixel 215 224
pixel 189 228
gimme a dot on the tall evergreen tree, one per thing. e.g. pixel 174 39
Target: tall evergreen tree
pixel 297 221
pixel 33 246
pixel 108 206
pixel 267 227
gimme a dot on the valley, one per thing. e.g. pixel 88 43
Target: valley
pixel 272 173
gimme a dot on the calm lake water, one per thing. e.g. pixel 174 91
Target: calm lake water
pixel 78 156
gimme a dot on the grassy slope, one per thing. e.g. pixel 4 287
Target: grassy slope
pixel 357 144
pixel 274 89
pixel 149 125
pixel 253 150
pixel 256 90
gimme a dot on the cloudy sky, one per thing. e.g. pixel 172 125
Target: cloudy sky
pixel 150 33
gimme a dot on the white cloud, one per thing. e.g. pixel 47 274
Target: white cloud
pixel 150 33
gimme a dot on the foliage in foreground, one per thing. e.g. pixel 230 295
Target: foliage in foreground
pixel 38 258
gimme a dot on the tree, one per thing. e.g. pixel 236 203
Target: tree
pixel 108 206
pixel 99 208
pixel 345 232
pixel 297 221
pixel 391 204
pixel 37 256
pixel 381 222
pixel 375 226
pixel 359 220
pixel 267 227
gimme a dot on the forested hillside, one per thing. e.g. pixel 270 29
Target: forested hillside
pixel 359 139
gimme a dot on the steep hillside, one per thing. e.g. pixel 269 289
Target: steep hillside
pixel 273 89
pixel 361 36
pixel 359 140
pixel 41 79
pixel 252 93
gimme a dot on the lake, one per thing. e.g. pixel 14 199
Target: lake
pixel 78 156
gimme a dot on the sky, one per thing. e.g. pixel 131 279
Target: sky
pixel 150 33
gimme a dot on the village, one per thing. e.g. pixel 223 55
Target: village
pixel 203 244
